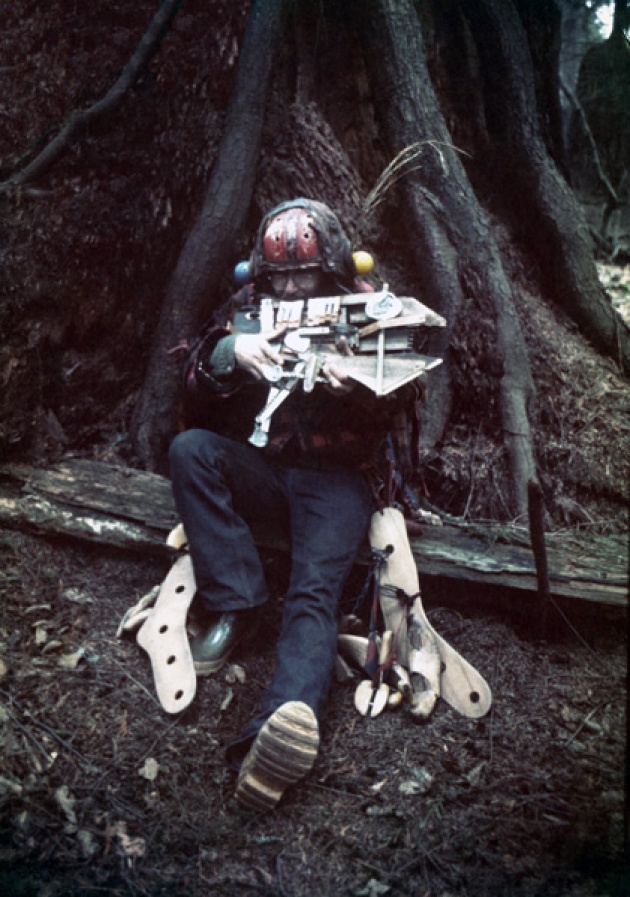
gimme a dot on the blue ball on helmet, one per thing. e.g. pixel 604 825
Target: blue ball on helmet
pixel 241 273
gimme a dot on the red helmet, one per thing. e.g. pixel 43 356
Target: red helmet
pixel 290 241
pixel 298 234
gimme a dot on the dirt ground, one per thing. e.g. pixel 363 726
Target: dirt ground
pixel 101 791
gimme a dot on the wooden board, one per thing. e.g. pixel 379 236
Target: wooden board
pixel 133 509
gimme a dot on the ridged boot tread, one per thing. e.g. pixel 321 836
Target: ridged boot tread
pixel 283 753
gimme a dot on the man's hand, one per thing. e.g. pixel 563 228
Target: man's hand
pixel 338 382
pixel 253 351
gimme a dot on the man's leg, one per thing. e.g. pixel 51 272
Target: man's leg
pixel 330 514
pixel 223 488
pixel 329 517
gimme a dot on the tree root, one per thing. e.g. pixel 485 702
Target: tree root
pixel 79 121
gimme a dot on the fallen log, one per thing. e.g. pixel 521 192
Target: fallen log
pixel 132 509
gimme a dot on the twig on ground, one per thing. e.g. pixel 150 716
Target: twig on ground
pixel 135 681
pixel 29 735
pixel 585 722
pixel 50 731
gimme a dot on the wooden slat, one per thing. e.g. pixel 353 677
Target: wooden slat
pixel 105 503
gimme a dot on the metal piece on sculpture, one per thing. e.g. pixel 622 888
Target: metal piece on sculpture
pixel 277 395
pixel 289 313
pixel 383 306
pixel 313 366
pixel 272 372
pixel 266 314
pixel 296 342
pixel 343 670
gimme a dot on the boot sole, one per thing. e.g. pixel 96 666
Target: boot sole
pixel 284 752
pixel 206 668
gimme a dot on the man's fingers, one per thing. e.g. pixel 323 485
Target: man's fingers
pixel 270 353
pixel 343 347
pixel 254 350
pixel 337 379
pixel 334 372
pixel 270 335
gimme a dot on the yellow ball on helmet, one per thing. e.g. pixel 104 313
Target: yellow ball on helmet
pixel 363 262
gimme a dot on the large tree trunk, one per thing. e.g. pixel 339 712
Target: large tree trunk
pixel 194 286
pixel 454 246
pixel 544 209
pixel 542 22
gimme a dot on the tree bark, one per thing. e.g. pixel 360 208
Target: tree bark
pixel 82 119
pixel 542 22
pixel 194 285
pixel 454 247
pixel 549 216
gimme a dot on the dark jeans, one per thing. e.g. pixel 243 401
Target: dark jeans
pixel 225 492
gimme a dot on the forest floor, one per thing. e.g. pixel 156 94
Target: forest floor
pixel 101 791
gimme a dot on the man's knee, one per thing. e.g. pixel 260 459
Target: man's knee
pixel 189 448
